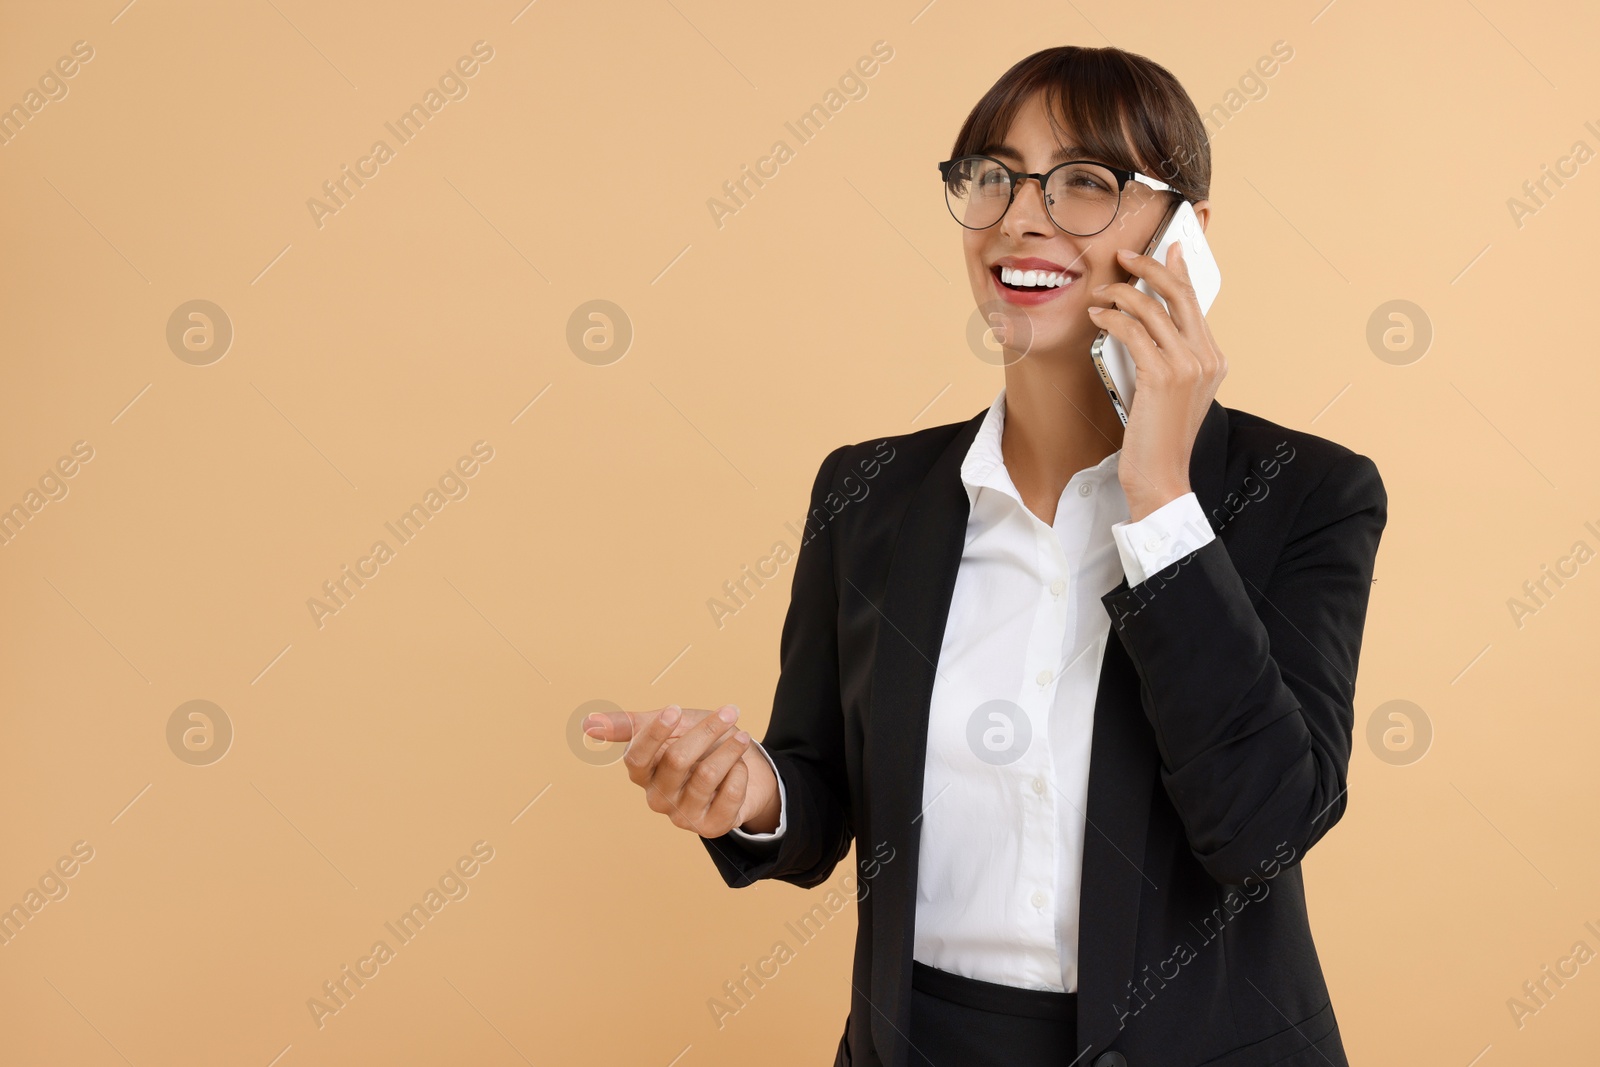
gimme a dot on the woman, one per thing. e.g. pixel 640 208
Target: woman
pixel 1075 848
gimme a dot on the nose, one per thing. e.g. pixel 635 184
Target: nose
pixel 1028 213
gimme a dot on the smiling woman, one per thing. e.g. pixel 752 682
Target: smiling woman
pixel 951 686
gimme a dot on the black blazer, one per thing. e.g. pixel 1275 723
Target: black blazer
pixel 1222 733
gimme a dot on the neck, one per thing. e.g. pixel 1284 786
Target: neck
pixel 1058 422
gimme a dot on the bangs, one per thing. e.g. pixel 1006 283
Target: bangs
pixel 1123 109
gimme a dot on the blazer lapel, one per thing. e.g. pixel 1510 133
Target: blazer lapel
pixel 916 603
pixel 1122 781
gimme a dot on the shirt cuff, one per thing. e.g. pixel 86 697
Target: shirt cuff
pixel 1162 537
pixel 783 805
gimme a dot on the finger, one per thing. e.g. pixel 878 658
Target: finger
pixel 640 759
pixel 723 813
pixel 664 791
pixel 1212 361
pixel 616 726
pixel 1171 280
pixel 708 775
pixel 1148 360
pixel 688 718
pixel 622 725
pixel 1147 309
pixel 678 760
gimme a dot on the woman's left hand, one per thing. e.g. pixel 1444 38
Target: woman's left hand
pixel 1177 368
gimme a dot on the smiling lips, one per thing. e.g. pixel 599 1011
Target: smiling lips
pixel 1030 281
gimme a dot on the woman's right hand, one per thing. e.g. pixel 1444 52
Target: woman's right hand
pixel 695 767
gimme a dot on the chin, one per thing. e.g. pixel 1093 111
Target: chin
pixel 1056 340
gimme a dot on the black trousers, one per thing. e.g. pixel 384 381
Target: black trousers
pixel 962 1022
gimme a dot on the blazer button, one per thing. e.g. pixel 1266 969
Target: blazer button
pixel 1111 1059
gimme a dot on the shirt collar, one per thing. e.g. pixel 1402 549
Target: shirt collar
pixel 985 467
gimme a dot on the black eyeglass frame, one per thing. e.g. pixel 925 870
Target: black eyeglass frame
pixel 1016 177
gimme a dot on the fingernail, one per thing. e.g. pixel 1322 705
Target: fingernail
pixel 741 737
pixel 669 714
pixel 1098 288
pixel 728 714
pixel 1125 254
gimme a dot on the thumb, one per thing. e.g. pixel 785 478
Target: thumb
pixel 616 726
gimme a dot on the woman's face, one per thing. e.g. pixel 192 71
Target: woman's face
pixel 1057 319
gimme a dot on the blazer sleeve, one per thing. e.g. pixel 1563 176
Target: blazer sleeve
pixel 1252 708
pixel 805 737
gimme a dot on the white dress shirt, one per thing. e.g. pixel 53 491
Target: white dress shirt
pixel 1011 717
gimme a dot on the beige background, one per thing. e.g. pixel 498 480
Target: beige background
pixel 428 714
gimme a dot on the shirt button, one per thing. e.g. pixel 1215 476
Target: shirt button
pixel 1038 899
pixel 1044 677
pixel 1152 543
pixel 1057 586
pixel 1085 489
pixel 1038 785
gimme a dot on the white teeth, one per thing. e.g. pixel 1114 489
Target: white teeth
pixel 1036 278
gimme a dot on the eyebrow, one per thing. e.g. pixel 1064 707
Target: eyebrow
pixel 1061 154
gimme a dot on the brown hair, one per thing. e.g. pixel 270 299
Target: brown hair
pixel 1126 110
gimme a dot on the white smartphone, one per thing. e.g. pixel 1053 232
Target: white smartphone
pixel 1110 355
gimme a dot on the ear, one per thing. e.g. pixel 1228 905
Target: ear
pixel 1202 211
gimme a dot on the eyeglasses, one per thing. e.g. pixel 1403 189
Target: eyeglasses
pixel 1081 196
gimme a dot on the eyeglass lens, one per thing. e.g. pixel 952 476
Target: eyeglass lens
pixel 1081 198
